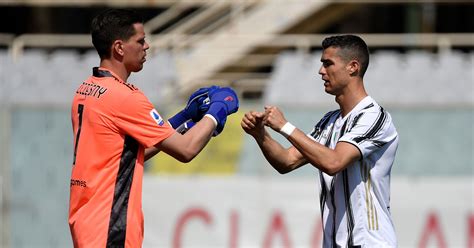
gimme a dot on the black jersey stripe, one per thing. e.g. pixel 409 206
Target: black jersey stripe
pixel 364 136
pixel 333 202
pixel 350 214
pixel 347 195
pixel 322 195
pixel 324 191
pixel 321 125
pixel 369 106
pixel 123 184
pixel 376 127
pixel 379 123
pixel 343 128
pixel 335 114
pixel 357 117
pixel 374 124
pixel 355 121
pixel 327 117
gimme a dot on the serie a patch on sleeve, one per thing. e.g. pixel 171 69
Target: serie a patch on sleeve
pixel 154 114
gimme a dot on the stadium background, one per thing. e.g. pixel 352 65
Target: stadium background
pixel 422 71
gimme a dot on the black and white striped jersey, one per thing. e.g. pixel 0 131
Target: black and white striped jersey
pixel 355 203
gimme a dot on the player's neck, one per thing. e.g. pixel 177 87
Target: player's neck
pixel 117 68
pixel 350 98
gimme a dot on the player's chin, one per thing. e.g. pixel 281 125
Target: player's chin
pixel 329 90
pixel 138 67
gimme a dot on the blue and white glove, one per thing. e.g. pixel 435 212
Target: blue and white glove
pixel 223 102
pixel 197 106
pixel 199 101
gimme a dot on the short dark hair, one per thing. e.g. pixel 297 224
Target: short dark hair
pixel 111 25
pixel 351 47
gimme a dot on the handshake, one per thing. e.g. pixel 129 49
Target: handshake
pixel 214 101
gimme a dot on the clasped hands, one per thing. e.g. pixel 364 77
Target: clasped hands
pixel 254 122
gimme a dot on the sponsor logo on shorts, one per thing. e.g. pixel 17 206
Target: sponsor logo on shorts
pixel 154 114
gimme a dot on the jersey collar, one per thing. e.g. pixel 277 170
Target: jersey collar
pixel 104 72
pixel 361 105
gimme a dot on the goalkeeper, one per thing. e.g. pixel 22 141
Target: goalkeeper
pixel 116 129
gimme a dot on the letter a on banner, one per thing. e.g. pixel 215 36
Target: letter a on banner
pixel 276 226
pixel 432 227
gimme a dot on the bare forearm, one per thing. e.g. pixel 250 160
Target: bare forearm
pixel 185 147
pixel 199 136
pixel 150 152
pixel 275 154
pixel 281 159
pixel 327 160
pixel 194 144
pixel 321 157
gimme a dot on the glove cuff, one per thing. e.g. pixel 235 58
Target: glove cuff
pixel 212 118
pixel 218 110
pixel 178 119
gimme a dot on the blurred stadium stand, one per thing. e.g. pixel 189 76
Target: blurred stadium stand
pixel 421 69
pixel 225 34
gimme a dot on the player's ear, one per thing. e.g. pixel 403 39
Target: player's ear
pixel 117 47
pixel 353 67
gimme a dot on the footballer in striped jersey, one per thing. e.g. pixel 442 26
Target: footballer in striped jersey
pixel 353 147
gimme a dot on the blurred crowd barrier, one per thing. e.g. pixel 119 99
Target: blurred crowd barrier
pixel 229 196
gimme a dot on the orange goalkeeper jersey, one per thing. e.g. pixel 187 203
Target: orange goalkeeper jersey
pixel 113 122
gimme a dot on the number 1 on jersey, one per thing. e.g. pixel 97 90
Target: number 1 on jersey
pixel 80 110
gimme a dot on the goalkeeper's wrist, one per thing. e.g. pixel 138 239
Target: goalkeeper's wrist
pixel 287 129
pixel 218 112
pixel 212 118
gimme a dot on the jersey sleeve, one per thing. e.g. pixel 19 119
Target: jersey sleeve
pixel 138 118
pixel 370 131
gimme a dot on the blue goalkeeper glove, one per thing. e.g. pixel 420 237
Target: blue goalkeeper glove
pixel 223 102
pixel 196 107
pixel 199 101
